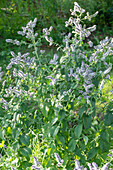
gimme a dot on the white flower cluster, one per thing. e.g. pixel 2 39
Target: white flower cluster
pixel 58 159
pixel 28 30
pixel 46 32
pixel 15 42
pixel 21 60
pixel 77 8
pixel 36 164
pixel 80 30
pixel 94 166
pixel 89 17
pixel 105 48
pixel 54 60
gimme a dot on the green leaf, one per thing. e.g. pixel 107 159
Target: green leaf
pixel 25 139
pixel 62 139
pixel 16 145
pixel 92 153
pixel 85 139
pixel 54 120
pixel 104 136
pixel 81 111
pixel 26 164
pixel 25 151
pixel 62 114
pixel 87 121
pixel 108 119
pixel 52 148
pixel 16 132
pixel 25 87
pixel 49 163
pixel 72 145
pixel 78 130
pixel 56 131
pixel 104 146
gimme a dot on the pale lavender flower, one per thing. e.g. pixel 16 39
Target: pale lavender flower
pixel 14 72
pixel 50 29
pixel 68 53
pixel 21 33
pixel 36 34
pixel 16 42
pixel 77 165
pixel 110 155
pixel 13 54
pixel 42 51
pixel 89 17
pixel 102 84
pixel 79 98
pixel 55 56
pixel 50 41
pixel 66 23
pixel 21 74
pixel 46 31
pixel 9 66
pixel 111 91
pixel 77 8
pixel 58 159
pixel 90 43
pixel 105 167
pixel 36 164
pixel 72 47
pixel 12 168
pixel 95 166
pixel 9 40
pixel 53 62
pixel 3 101
pixel 53 80
pixel 90 167
pixel 108 70
pixel 93 28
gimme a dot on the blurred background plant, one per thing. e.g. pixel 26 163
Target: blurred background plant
pixel 15 14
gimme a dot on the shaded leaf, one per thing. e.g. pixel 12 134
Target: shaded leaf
pixel 87 121
pixel 81 111
pixel 25 151
pixel 104 146
pixel 25 139
pixel 78 130
pixel 92 153
pixel 72 145
pixel 56 131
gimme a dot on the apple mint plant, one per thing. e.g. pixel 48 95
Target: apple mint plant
pixel 54 100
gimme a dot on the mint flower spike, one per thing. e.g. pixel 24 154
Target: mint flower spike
pixel 77 165
pixel 95 166
pixel 105 167
pixel 12 168
pixel 36 164
pixel 77 8
pixel 89 17
pixel 58 159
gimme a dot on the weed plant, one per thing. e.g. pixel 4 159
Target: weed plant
pixel 48 106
